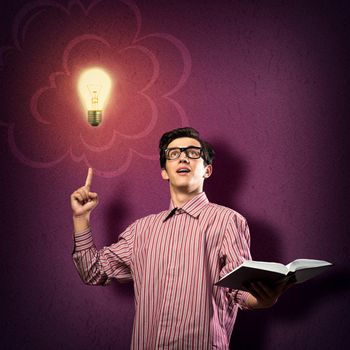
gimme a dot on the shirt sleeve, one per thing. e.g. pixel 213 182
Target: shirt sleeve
pixel 235 249
pixel 98 267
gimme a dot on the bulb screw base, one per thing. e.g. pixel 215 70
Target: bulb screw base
pixel 94 118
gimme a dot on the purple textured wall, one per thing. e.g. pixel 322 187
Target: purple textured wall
pixel 265 82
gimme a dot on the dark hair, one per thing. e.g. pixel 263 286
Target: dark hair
pixel 168 137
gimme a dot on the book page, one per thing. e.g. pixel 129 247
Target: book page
pixel 299 264
pixel 268 266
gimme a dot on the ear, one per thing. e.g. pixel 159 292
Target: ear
pixel 208 171
pixel 164 174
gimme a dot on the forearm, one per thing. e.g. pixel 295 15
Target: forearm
pixel 240 298
pixel 97 267
pixel 255 304
pixel 245 300
pixel 252 303
pixel 86 259
pixel 81 223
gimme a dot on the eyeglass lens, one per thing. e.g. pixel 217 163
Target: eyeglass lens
pixel 191 152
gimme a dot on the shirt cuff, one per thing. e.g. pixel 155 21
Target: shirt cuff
pixel 241 298
pixel 83 240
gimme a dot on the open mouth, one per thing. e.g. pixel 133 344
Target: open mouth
pixel 183 170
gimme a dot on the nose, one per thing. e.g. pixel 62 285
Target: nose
pixel 183 157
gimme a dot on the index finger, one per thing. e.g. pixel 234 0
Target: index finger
pixel 88 179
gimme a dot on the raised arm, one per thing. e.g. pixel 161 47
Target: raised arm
pixel 83 202
pixel 97 267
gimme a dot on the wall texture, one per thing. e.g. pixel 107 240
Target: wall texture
pixel 265 82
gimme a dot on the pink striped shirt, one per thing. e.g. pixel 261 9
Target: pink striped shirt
pixel 174 259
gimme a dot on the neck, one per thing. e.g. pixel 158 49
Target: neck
pixel 180 198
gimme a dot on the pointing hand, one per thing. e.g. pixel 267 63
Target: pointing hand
pixel 82 200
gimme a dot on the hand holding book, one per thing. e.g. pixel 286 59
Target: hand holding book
pixel 263 295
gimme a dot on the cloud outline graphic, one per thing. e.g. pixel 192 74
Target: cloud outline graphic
pixel 26 18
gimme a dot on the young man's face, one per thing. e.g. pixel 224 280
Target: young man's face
pixel 186 174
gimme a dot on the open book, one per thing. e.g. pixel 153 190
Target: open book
pixel 299 270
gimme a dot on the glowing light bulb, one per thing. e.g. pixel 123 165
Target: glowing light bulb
pixel 94 87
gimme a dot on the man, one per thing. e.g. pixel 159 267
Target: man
pixel 175 257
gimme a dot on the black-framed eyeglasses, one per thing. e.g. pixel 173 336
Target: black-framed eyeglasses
pixel 175 152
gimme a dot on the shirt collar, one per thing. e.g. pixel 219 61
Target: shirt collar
pixel 193 207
